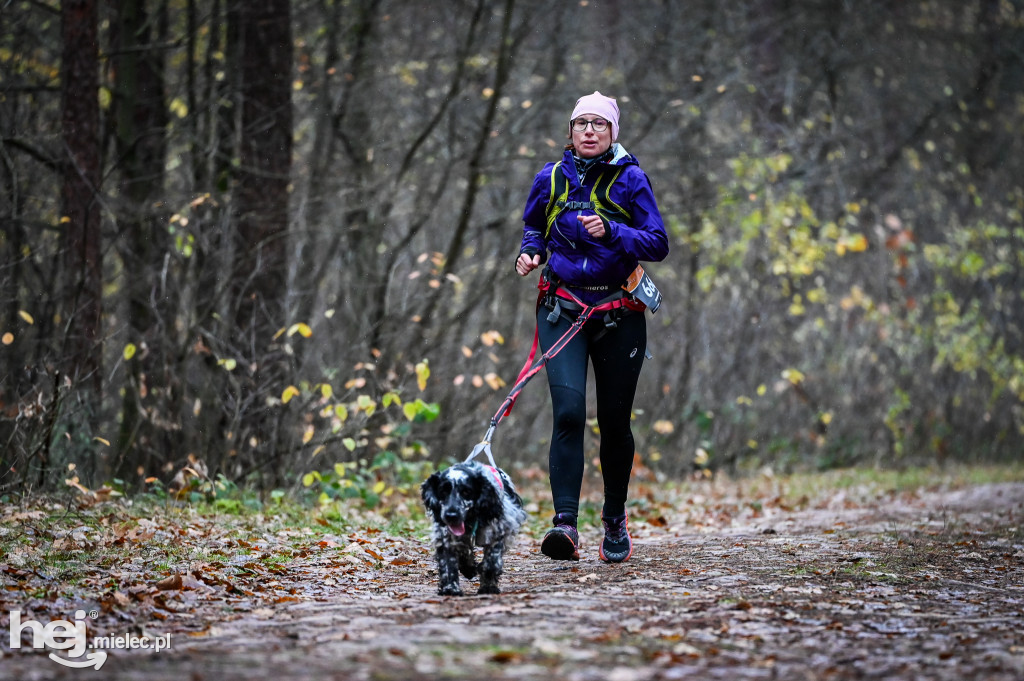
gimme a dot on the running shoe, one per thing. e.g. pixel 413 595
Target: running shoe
pixel 617 545
pixel 562 541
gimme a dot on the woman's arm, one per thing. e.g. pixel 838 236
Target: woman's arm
pixel 646 238
pixel 534 245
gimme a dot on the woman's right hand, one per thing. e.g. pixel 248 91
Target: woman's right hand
pixel 527 263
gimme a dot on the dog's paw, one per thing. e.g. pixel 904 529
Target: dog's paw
pixel 486 589
pixel 450 590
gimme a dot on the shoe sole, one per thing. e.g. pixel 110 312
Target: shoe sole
pixel 559 546
pixel 605 558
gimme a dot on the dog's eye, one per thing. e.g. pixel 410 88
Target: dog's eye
pixel 470 492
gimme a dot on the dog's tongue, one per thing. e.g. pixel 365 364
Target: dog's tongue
pixel 458 529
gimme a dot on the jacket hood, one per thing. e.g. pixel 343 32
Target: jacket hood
pixel 620 156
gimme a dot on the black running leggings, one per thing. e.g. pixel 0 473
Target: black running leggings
pixel 617 355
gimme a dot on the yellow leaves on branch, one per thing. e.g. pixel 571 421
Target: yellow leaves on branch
pixel 663 427
pixel 853 243
pixel 325 390
pixel 857 298
pixel 366 404
pixel 8 337
pixel 794 376
pixel 324 403
pixel 178 107
pixel 489 338
pixel 494 381
pixel 419 410
pixel 300 328
pixel 422 374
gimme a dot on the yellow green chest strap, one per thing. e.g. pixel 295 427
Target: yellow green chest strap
pixel 600 197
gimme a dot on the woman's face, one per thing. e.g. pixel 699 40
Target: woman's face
pixel 588 142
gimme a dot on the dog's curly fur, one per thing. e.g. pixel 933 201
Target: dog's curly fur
pixel 472 505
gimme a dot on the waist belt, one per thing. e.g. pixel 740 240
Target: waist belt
pixel 589 288
pixel 562 304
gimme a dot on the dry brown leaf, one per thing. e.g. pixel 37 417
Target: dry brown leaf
pixel 171 583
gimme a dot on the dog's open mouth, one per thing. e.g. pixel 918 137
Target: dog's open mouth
pixel 458 529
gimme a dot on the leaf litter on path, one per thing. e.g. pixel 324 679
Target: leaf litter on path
pixel 921 584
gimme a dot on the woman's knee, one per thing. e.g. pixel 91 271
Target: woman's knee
pixel 614 415
pixel 569 409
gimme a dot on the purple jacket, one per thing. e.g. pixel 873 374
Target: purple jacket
pixel 579 259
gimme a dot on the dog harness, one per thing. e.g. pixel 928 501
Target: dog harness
pixel 497 477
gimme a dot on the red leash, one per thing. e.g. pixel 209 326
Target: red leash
pixel 531 368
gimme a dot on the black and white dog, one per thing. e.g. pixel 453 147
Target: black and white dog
pixel 472 505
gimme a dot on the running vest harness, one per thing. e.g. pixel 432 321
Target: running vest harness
pixel 600 200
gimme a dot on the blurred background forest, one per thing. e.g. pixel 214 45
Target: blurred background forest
pixel 253 240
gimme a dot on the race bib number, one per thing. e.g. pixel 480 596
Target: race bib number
pixel 641 286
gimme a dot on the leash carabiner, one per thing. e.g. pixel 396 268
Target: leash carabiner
pixel 485 447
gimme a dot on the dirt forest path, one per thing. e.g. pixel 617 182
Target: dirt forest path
pixel 926 585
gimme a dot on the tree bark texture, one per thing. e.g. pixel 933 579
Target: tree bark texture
pixel 80 169
pixel 261 193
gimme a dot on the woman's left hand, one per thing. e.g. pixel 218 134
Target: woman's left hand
pixel 593 224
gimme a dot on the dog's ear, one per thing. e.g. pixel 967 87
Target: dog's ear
pixel 510 489
pixel 428 492
pixel 488 505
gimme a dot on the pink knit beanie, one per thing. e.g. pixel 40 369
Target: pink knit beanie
pixel 599 105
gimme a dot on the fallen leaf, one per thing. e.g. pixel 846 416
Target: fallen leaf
pixel 401 562
pixel 171 583
pixel 490 610
pixel 506 657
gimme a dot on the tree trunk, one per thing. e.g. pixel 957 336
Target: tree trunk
pixel 141 144
pixel 261 194
pixel 80 168
pixel 261 205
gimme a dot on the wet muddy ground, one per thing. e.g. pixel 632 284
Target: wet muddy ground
pixel 926 585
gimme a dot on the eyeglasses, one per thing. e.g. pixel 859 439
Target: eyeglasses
pixel 598 124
